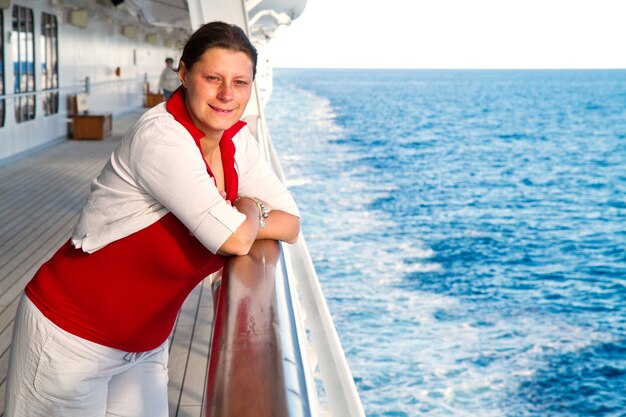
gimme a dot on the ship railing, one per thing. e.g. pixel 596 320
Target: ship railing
pixel 275 347
pixel 336 391
pixel 84 85
pixel 255 366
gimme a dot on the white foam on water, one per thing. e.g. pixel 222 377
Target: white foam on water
pixel 423 267
pixel 474 367
pixel 298 182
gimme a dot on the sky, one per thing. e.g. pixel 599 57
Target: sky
pixel 454 34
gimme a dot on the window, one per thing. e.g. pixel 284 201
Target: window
pixel 49 64
pixel 1 68
pixel 23 40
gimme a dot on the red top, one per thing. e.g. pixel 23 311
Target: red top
pixel 127 295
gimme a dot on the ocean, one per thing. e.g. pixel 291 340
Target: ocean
pixel 469 232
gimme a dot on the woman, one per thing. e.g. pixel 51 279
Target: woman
pixel 90 335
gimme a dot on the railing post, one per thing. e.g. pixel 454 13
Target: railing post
pixel 246 375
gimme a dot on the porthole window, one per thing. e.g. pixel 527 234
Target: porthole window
pixel 49 63
pixel 23 42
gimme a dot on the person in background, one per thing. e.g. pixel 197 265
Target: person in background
pixel 186 187
pixel 168 82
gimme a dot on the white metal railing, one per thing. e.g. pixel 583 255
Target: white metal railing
pixel 83 85
pixel 328 372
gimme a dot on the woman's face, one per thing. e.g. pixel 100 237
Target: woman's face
pixel 218 89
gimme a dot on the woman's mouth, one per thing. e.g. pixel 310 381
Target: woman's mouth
pixel 219 110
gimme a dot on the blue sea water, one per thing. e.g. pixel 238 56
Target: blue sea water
pixel 469 231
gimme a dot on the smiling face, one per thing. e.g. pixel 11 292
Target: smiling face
pixel 218 87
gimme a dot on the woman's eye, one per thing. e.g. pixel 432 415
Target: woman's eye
pixel 212 78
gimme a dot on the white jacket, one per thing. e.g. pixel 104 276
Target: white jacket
pixel 157 169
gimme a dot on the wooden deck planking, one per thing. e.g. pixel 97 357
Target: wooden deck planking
pixel 40 198
pixel 189 350
pixel 193 389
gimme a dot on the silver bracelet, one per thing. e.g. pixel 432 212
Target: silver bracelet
pixel 263 212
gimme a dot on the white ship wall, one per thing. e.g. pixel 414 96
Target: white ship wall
pixel 94 52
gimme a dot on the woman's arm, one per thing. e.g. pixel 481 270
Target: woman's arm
pixel 257 179
pixel 241 240
pixel 279 225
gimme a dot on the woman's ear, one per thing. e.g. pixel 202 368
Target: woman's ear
pixel 182 74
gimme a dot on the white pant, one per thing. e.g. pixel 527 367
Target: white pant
pixel 54 373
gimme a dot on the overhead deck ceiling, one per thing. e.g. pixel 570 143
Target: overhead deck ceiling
pixel 264 16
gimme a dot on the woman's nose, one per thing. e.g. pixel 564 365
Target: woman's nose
pixel 225 92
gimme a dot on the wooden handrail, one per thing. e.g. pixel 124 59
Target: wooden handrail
pixel 246 376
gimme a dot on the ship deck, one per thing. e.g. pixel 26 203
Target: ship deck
pixel 40 198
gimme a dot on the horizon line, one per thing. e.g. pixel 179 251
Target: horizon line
pixel 456 68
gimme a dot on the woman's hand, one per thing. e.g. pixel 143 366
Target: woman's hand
pixel 279 225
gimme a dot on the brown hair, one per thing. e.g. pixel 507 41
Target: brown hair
pixel 218 35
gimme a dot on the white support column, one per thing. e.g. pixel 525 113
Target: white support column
pixel 231 11
pixel 197 15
